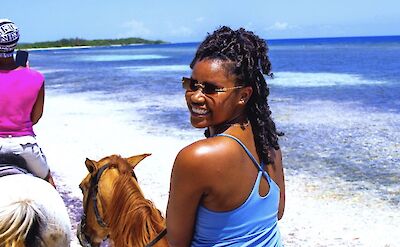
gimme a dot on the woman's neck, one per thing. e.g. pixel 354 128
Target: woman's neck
pixel 241 123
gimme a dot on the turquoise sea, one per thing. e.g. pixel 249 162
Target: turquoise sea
pixel 336 99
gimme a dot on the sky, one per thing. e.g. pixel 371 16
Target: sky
pixel 190 20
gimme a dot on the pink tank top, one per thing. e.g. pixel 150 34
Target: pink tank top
pixel 19 89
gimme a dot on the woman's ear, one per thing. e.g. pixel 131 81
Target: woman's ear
pixel 245 94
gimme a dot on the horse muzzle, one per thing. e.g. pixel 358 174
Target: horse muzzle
pixel 84 239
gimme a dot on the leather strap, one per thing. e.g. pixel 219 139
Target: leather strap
pixel 158 238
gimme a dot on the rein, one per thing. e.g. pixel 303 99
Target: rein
pixel 158 238
pixel 94 188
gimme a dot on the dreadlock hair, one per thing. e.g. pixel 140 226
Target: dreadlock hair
pixel 247 58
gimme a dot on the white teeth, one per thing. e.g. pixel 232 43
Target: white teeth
pixel 199 111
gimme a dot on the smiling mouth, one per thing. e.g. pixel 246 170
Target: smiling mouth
pixel 199 111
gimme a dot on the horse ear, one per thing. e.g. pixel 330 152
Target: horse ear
pixel 134 160
pixel 90 165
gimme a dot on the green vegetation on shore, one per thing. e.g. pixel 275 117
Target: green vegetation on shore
pixel 83 42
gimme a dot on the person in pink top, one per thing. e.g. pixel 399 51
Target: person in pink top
pixel 21 105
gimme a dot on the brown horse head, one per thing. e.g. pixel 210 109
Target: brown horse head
pixel 98 189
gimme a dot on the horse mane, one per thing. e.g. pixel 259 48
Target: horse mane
pixel 134 219
pixel 20 224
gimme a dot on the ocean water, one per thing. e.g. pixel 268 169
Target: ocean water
pixel 336 100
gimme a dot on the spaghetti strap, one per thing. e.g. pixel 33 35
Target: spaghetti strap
pixel 258 166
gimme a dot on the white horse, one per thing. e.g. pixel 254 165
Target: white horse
pixel 32 213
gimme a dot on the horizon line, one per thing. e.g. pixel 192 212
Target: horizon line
pixel 270 39
pixel 315 38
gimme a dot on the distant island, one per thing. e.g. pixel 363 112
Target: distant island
pixel 75 42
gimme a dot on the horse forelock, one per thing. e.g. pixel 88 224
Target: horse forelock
pixel 133 219
pixel 116 161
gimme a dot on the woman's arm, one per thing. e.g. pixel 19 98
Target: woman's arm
pixel 186 189
pixel 37 109
pixel 276 172
pixel 280 181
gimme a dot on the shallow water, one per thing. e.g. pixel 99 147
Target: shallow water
pixel 338 104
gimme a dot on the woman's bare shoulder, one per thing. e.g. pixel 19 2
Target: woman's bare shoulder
pixel 200 150
pixel 201 156
pixel 193 168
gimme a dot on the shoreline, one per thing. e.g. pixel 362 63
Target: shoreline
pixel 272 42
pixel 77 47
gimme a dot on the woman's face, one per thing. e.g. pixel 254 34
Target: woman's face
pixel 207 110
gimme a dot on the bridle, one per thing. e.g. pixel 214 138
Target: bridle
pixel 92 194
pixel 93 191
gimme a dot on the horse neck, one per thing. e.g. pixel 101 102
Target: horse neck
pixel 132 218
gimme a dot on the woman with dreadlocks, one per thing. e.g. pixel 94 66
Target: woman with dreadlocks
pixel 228 189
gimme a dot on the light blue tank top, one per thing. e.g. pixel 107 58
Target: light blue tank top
pixel 254 223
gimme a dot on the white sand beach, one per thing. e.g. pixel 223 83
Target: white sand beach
pixel 74 127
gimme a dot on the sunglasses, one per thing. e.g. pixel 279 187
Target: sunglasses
pixel 207 88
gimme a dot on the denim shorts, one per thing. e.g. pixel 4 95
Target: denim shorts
pixel 26 147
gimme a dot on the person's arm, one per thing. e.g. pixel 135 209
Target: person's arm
pixel 37 109
pixel 186 189
pixel 280 181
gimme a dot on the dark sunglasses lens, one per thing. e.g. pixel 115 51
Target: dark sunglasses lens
pixel 189 84
pixel 209 88
pixel 186 83
pixel 193 85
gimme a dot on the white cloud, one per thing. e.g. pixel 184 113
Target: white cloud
pixel 279 26
pixel 136 29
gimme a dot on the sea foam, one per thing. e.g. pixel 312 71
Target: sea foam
pixel 158 68
pixel 109 58
pixel 297 79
